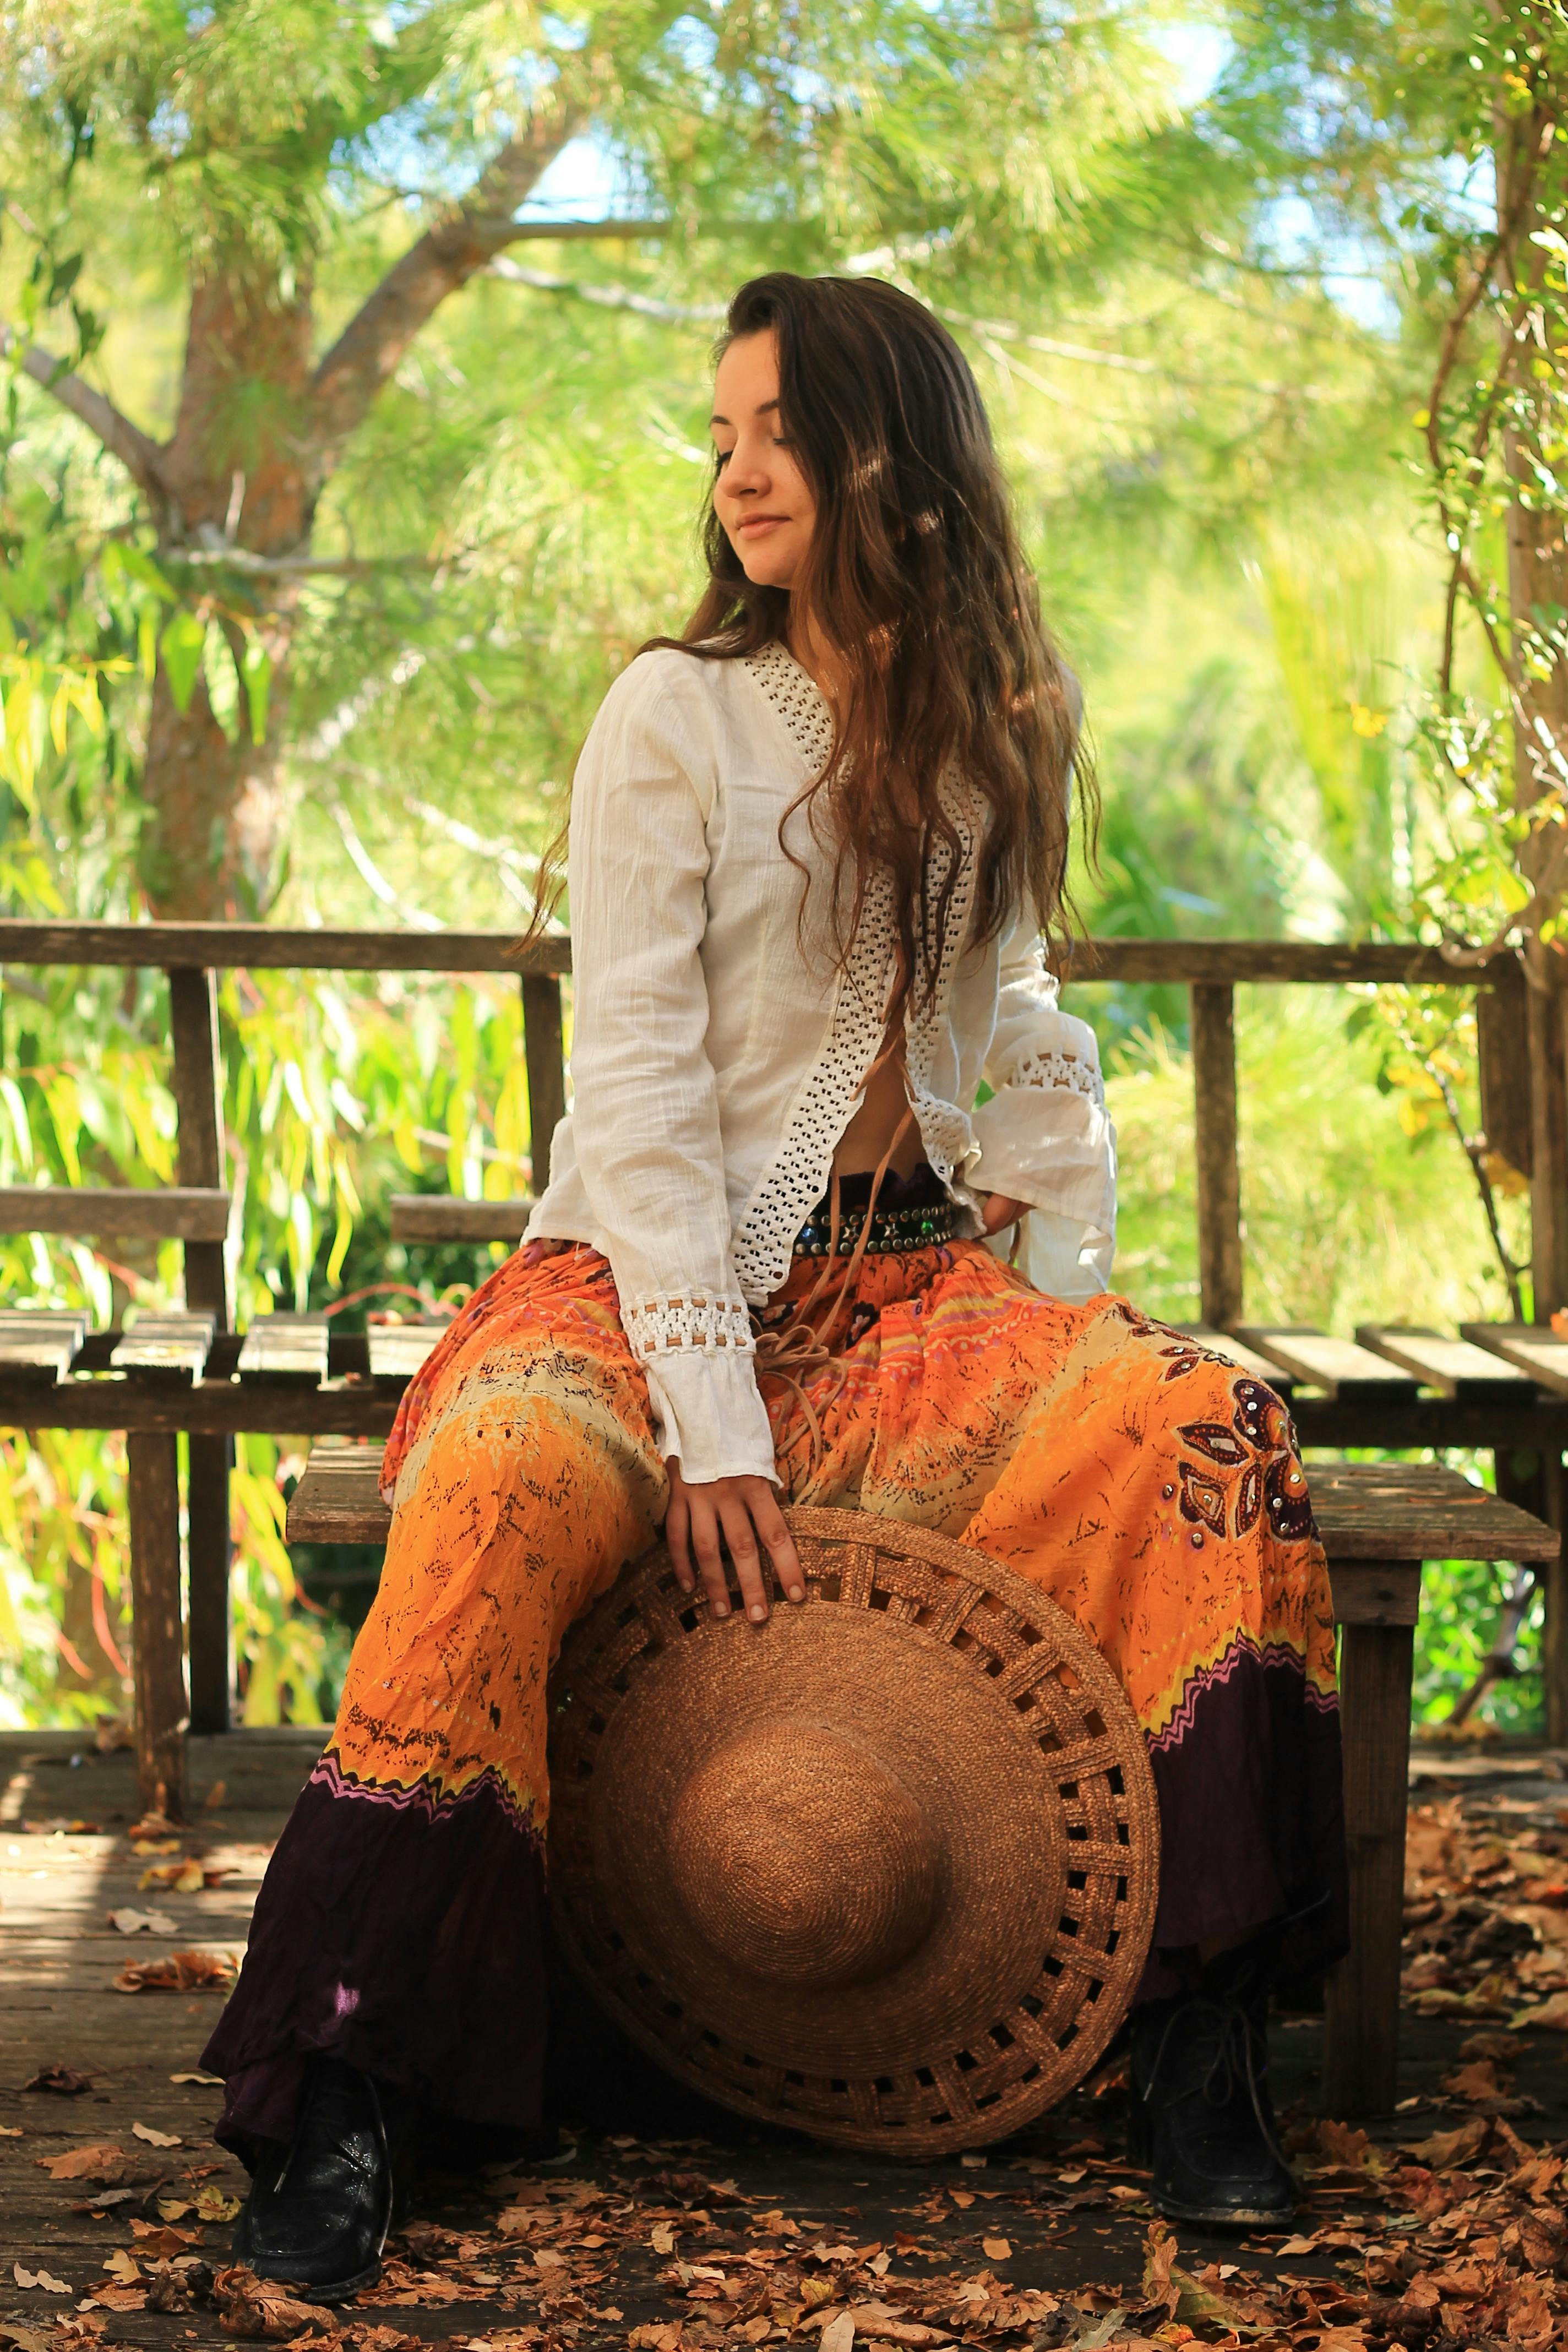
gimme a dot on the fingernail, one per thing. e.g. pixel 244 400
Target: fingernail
pixel 758 1613
pixel 721 1609
pixel 797 1592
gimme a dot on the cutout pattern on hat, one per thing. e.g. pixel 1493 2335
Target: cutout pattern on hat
pixel 885 1868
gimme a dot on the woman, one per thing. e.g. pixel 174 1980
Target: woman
pixel 813 847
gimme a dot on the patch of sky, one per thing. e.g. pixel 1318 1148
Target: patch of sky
pixel 1351 265
pixel 1199 52
pixel 591 179
pixel 169 128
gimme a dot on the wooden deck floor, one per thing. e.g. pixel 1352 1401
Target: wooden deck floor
pixel 65 1864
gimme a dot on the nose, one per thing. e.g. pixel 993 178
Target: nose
pixel 746 475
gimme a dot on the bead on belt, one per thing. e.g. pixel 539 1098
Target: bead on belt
pixel 920 1226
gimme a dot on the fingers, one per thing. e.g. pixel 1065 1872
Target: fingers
pixel 677 1533
pixel 730 1514
pixel 742 1536
pixel 771 1525
pixel 705 1523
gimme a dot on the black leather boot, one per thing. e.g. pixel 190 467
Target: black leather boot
pixel 318 2210
pixel 1201 2117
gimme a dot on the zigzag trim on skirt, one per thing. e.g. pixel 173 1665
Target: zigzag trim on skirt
pixel 330 1775
pixel 1207 1678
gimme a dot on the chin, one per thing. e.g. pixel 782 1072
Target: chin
pixel 767 571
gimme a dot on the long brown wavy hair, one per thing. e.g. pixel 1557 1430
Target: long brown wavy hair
pixel 916 579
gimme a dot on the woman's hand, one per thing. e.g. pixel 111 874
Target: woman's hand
pixel 741 1510
pixel 537 1252
pixel 999 1211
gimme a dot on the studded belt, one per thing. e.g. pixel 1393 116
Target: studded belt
pixel 919 1226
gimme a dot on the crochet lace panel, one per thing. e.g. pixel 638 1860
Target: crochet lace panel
pixel 664 1326
pixel 797 699
pixel 796 1182
pixel 1074 1071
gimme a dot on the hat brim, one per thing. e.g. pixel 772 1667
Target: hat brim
pixel 1000 1723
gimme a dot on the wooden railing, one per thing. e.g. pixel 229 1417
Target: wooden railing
pixel 1211 970
pixel 193 953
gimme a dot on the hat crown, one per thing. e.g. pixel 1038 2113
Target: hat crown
pixel 800 1857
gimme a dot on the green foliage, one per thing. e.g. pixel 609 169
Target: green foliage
pixel 1211 455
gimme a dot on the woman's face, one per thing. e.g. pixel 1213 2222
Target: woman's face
pixel 761 496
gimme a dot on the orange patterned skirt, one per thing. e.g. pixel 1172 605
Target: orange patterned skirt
pixel 1152 1490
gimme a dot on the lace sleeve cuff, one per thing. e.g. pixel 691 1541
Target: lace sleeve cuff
pixel 708 1411
pixel 668 1327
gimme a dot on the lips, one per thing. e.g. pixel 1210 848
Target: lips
pixel 760 523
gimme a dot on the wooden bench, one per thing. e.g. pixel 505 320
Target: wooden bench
pixel 1379 1522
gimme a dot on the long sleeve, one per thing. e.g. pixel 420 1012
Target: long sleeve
pixel 645 1110
pixel 1045 1136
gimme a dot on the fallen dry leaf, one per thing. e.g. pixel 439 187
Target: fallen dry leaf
pixel 216 1795
pixel 43 2280
pixel 996 2249
pixel 158 2241
pixel 1443 2150
pixel 838 2335
pixel 181 1972
pixel 65 2081
pixel 1552 2013
pixel 155 2139
pixel 23 2339
pixel 118 2298
pixel 211 2081
pixel 105 2164
pixel 250 2307
pixel 10 2131
pixel 661 2238
pixel 129 1922
pixel 215 2205
pixel 121 2267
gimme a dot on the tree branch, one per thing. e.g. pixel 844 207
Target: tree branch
pixel 458 244
pixel 140 456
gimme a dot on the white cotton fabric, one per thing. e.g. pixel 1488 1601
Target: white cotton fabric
pixel 717 1053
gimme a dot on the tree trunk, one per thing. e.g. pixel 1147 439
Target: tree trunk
pixel 242 468
pixel 1537 584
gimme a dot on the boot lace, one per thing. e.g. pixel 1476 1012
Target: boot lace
pixel 1234 2066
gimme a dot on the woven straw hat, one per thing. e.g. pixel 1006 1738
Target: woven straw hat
pixel 884 1868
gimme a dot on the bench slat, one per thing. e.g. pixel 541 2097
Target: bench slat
pixel 1534 1348
pixel 163 1212
pixel 1353 1374
pixel 398 1349
pixel 285 1348
pixel 1368 1512
pixel 1418 1510
pixel 41 1343
pixel 338 1500
pixel 1247 1359
pixel 1468 1374
pixel 435 1217
pixel 175 1345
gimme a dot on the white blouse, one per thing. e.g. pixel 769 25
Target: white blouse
pixel 718 1055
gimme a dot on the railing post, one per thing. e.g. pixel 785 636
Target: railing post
pixel 1218 1162
pixel 158 1666
pixel 1549 1137
pixel 543 1051
pixel 198 1098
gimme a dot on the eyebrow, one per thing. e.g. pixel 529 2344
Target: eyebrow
pixel 767 407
